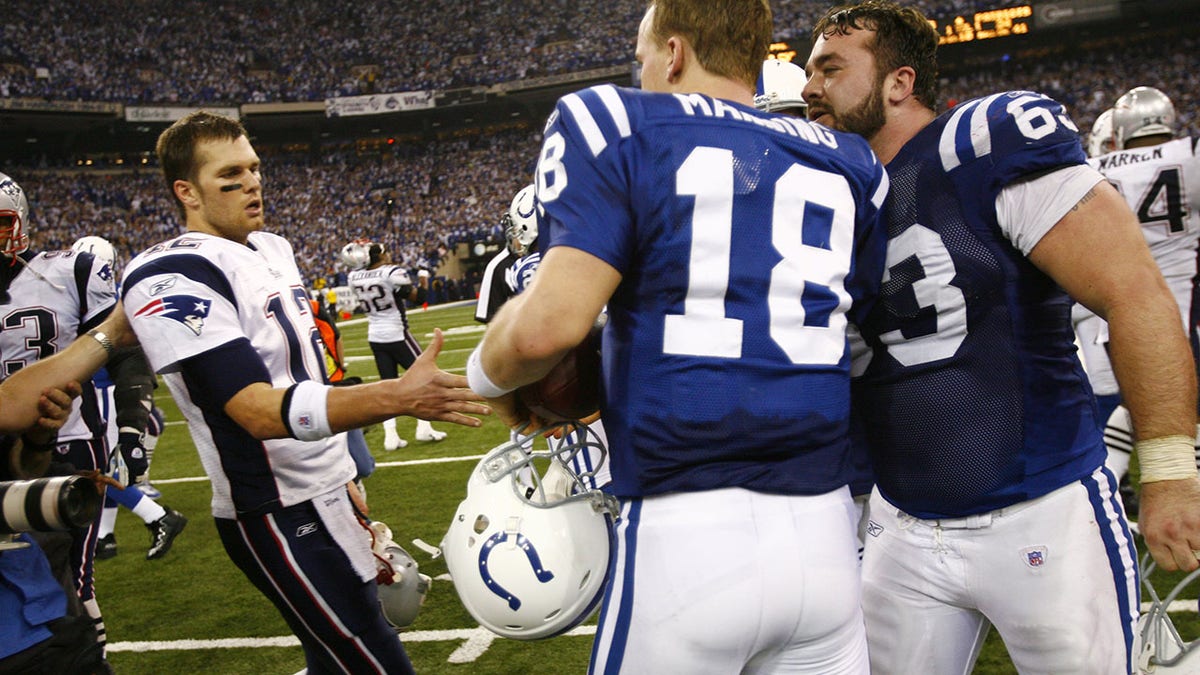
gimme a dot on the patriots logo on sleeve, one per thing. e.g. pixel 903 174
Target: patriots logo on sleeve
pixel 189 310
pixel 105 273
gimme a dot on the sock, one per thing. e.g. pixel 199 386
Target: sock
pixel 389 426
pixel 148 509
pixel 93 611
pixel 423 426
pixel 108 518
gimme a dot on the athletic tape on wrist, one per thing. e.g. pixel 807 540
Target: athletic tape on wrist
pixel 304 411
pixel 478 380
pixel 1166 458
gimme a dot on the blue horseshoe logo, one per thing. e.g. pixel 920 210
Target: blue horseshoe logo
pixel 543 575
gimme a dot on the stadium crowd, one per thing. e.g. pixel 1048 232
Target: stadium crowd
pixel 421 201
pixel 146 52
pixel 422 198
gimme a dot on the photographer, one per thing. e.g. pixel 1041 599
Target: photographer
pixel 38 634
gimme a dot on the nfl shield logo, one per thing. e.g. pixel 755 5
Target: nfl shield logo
pixel 1035 556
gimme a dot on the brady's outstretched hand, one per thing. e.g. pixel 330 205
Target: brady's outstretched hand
pixel 436 394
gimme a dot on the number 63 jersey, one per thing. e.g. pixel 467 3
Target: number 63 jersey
pixel 743 240
pixel 974 398
pixel 214 317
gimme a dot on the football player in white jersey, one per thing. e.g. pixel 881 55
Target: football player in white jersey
pixel 126 413
pixel 992 503
pixel 1159 177
pixel 382 288
pixel 223 315
pixel 46 301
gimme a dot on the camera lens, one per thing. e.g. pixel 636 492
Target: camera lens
pixel 47 504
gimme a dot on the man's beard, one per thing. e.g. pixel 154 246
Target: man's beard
pixel 867 118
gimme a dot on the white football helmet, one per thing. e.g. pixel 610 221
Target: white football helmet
pixel 357 254
pixel 402 587
pixel 97 246
pixel 780 87
pixel 1100 140
pixel 14 217
pixel 521 225
pixel 528 548
pixel 1142 111
pixel 1158 648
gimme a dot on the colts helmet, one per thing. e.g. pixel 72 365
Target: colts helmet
pixel 780 87
pixel 1100 140
pixel 97 246
pixel 356 255
pixel 402 587
pixel 14 216
pixel 1142 111
pixel 1158 648
pixel 521 225
pixel 528 548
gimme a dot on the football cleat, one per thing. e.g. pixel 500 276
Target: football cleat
pixel 393 442
pixel 163 532
pixel 427 433
pixel 106 547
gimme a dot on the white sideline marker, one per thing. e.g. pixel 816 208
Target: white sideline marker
pixel 476 642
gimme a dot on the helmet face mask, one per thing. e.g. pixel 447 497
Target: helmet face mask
pixel 402 587
pixel 14 216
pixel 1142 111
pixel 528 549
pixel 520 223
pixel 1158 647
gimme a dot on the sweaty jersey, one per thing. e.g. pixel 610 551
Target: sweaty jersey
pixel 974 398
pixel 213 317
pixel 381 292
pixel 59 296
pixel 743 239
pixel 1162 186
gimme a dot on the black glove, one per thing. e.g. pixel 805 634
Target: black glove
pixel 130 445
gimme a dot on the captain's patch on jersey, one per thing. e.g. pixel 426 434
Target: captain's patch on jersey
pixel 189 310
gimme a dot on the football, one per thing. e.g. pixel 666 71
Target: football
pixel 571 390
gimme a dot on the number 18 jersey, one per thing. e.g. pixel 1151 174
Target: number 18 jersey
pixel 743 240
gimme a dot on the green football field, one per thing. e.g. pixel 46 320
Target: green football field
pixel 194 612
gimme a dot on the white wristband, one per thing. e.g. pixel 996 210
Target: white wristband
pixel 305 413
pixel 1166 458
pixel 478 380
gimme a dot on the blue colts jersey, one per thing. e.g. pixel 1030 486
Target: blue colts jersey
pixel 974 398
pixel 743 240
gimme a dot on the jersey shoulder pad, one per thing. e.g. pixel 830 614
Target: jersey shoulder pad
pixel 1020 128
pixel 598 116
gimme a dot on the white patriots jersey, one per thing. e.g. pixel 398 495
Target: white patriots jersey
pixel 198 293
pixel 1162 185
pixel 60 292
pixel 377 290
